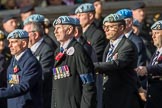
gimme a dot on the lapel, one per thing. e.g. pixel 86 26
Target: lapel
pixel 105 52
pixel 72 43
pixel 37 52
pixel 130 36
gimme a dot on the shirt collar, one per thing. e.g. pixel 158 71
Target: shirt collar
pixel 116 42
pixel 65 45
pixel 128 34
pixel 36 45
pixel 19 56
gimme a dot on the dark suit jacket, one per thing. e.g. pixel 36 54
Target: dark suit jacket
pixel 120 90
pixel 154 94
pixel 77 90
pixel 45 56
pixel 140 48
pixel 88 48
pixel 26 93
pixel 97 39
pixel 50 42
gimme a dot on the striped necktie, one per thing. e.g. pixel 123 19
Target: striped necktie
pixel 155 58
pixel 109 54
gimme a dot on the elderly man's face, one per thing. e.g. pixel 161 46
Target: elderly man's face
pixel 61 32
pixel 16 46
pixel 29 29
pixel 111 30
pixel 157 38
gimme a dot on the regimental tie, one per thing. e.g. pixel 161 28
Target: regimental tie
pixel 109 54
pixel 155 58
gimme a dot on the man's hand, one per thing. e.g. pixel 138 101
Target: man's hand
pixel 141 70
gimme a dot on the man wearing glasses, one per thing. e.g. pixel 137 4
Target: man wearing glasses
pixel 45 55
pixel 117 67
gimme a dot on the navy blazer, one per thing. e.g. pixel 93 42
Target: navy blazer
pixel 26 93
pixel 140 49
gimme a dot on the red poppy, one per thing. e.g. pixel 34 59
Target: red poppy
pixel 16 69
pixel 160 58
pixel 59 56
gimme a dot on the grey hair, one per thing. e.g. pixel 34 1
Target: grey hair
pixel 36 27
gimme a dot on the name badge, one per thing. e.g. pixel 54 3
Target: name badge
pixel 13 79
pixel 61 72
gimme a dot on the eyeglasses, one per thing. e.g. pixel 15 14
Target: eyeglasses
pixel 110 27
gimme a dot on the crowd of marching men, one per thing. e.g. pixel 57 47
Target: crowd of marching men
pixel 81 60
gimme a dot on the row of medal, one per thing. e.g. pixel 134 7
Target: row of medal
pixel 61 72
pixel 13 79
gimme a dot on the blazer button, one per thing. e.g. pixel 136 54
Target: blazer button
pixel 149 96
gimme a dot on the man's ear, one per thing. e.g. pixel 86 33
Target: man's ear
pixel 36 35
pixel 91 16
pixel 24 43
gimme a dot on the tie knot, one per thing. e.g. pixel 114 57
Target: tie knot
pixel 61 49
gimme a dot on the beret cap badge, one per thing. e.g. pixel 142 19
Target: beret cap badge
pixel 157 25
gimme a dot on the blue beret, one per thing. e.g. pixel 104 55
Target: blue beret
pixel 126 13
pixel 26 9
pixel 2 36
pixel 18 34
pixel 138 5
pixel 8 17
pixel 113 18
pixel 64 20
pixel 87 7
pixel 77 22
pixel 157 25
pixel 34 18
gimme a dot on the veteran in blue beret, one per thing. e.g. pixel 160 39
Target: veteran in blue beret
pixel 153 70
pixel 127 15
pixel 43 48
pixel 72 64
pixel 38 18
pixel 129 33
pixel 117 66
pixel 24 74
pixel 94 36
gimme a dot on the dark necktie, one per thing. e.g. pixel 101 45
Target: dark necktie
pixel 155 58
pixel 61 49
pixel 109 54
